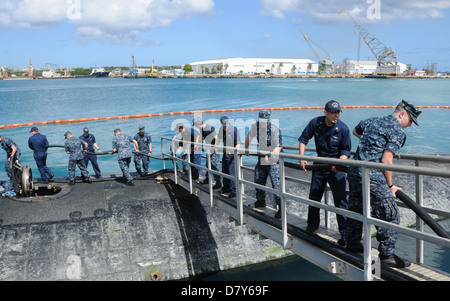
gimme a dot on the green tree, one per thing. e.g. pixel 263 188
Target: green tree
pixel 293 69
pixel 187 68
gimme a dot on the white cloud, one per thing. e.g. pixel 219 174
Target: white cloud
pixel 325 11
pixel 117 20
pixel 31 13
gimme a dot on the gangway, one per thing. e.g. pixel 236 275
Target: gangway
pixel 320 248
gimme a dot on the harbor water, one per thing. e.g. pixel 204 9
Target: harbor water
pixel 47 100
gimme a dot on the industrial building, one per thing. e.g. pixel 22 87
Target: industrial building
pixel 248 66
pixel 355 67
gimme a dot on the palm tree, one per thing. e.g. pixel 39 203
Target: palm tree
pixel 293 69
pixel 279 68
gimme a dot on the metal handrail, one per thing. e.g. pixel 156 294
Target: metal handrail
pixel 365 218
pixel 430 158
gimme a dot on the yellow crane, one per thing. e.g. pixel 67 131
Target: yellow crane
pixel 153 73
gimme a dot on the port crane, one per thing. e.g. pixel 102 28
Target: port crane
pixel 7 71
pixel 153 73
pixel 134 70
pixel 134 66
pixel 52 71
pixel 387 63
pixel 326 64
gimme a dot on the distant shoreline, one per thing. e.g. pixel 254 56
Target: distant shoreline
pixel 162 76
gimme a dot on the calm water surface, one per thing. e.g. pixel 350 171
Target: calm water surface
pixel 41 100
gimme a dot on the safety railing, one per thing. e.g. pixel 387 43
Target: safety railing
pixel 367 220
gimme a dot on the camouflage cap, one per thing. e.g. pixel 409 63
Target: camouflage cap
pixel 411 109
pixel 264 114
pixel 197 121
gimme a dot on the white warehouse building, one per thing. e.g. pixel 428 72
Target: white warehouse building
pixel 362 67
pixel 248 66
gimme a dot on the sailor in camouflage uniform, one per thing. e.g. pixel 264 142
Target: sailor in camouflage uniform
pixel 12 152
pixel 209 135
pixel 121 145
pixel 144 141
pixel 269 138
pixel 380 139
pixel 75 147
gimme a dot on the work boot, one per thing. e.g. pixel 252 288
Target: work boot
pixel 217 186
pixel 356 247
pixel 205 181
pixel 260 204
pixel 130 183
pixel 394 261
pixel 311 229
pixel 278 214
pixel 51 176
pixel 342 242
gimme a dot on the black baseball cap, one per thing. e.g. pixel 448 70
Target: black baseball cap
pixel 332 106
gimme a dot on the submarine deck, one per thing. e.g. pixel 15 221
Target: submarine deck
pixel 106 230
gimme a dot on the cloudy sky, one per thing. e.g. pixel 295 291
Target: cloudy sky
pixel 87 33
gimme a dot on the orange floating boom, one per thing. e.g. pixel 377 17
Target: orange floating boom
pixel 138 116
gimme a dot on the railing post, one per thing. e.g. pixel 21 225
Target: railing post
pixel 191 185
pixel 419 221
pixel 326 212
pixel 367 243
pixel 210 179
pixel 238 175
pixel 283 205
pixel 162 152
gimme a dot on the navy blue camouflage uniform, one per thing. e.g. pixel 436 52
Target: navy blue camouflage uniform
pixel 377 135
pixel 90 140
pixel 231 138
pixel 143 141
pixel 7 144
pixel 331 142
pixel 74 147
pixel 121 143
pixel 195 155
pixel 268 139
pixel 208 133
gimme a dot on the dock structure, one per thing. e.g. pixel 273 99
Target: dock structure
pixel 321 248
pixel 169 227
